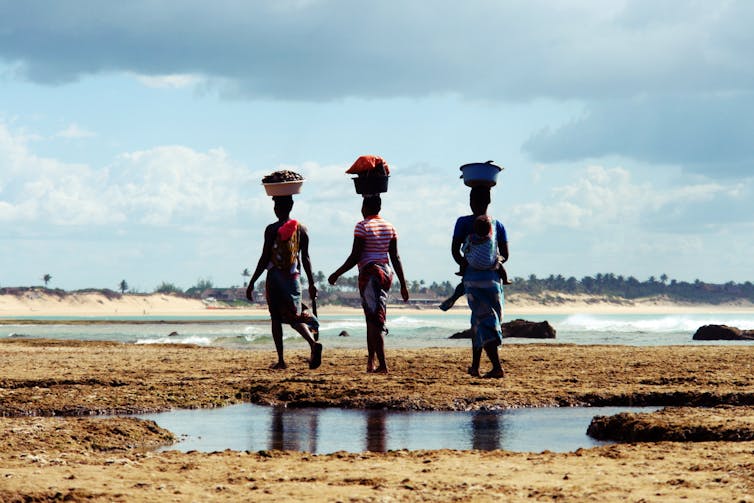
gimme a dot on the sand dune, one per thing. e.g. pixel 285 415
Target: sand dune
pixel 44 303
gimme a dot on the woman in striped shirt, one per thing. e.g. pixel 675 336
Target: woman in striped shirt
pixel 375 247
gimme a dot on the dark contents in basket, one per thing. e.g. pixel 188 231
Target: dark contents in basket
pixel 282 176
pixel 379 170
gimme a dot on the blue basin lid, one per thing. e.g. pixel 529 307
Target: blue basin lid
pixel 488 164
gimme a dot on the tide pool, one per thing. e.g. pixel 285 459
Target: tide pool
pixel 248 427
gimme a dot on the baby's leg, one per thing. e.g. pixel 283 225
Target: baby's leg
pixel 503 273
pixel 457 294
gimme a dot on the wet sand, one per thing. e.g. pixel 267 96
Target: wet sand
pixel 54 448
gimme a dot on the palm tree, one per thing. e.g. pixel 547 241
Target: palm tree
pixel 123 286
pixel 320 278
pixel 46 278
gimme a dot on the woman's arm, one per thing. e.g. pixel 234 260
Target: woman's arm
pixel 352 260
pixel 306 261
pixel 264 259
pixel 455 250
pixel 502 246
pixel 395 259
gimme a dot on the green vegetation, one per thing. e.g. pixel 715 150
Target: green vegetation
pixel 166 287
pixel 602 285
pixel 610 286
pixel 631 288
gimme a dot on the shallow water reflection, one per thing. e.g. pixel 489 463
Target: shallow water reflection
pixel 249 427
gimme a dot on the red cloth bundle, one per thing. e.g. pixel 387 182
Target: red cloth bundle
pixel 368 163
pixel 286 230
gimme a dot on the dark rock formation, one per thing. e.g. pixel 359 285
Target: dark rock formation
pixel 463 334
pixel 518 328
pixel 722 333
pixel 528 329
pixel 682 424
pixel 343 333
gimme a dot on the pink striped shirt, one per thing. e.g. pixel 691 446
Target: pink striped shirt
pixel 377 234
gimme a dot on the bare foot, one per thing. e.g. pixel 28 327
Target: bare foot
pixel 472 371
pixel 279 366
pixel 447 304
pixel 380 370
pixel 494 374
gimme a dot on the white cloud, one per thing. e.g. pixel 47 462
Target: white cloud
pixel 160 186
pixel 177 184
pixel 175 81
pixel 599 198
pixel 634 223
pixel 74 132
pixel 43 189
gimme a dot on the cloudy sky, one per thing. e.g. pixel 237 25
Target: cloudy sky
pixel 133 135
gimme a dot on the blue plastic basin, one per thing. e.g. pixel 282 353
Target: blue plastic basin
pixel 480 174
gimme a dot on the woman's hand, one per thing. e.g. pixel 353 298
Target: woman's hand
pixel 404 293
pixel 250 292
pixel 332 279
pixel 312 292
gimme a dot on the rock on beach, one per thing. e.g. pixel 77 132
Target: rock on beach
pixel 518 328
pixel 722 333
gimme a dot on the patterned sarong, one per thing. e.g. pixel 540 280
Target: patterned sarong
pixel 374 282
pixel 485 298
pixel 283 292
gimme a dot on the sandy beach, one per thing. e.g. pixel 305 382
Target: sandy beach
pixel 41 303
pixel 57 445
pixel 63 437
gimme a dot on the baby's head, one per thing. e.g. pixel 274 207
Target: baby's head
pixel 483 226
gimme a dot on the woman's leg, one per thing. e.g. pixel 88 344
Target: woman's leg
pixel 315 359
pixel 492 354
pixel 486 312
pixel 476 356
pixel 277 336
pixel 375 334
pixel 370 350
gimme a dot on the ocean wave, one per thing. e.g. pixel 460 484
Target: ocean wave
pixel 650 324
pixel 338 325
pixel 193 339
pixel 428 323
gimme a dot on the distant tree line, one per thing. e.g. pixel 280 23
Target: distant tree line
pixel 605 285
pixel 631 288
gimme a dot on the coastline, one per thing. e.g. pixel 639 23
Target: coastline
pixel 91 304
pixel 58 445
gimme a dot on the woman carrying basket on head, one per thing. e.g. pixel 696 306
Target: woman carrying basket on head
pixel 375 247
pixel 285 250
